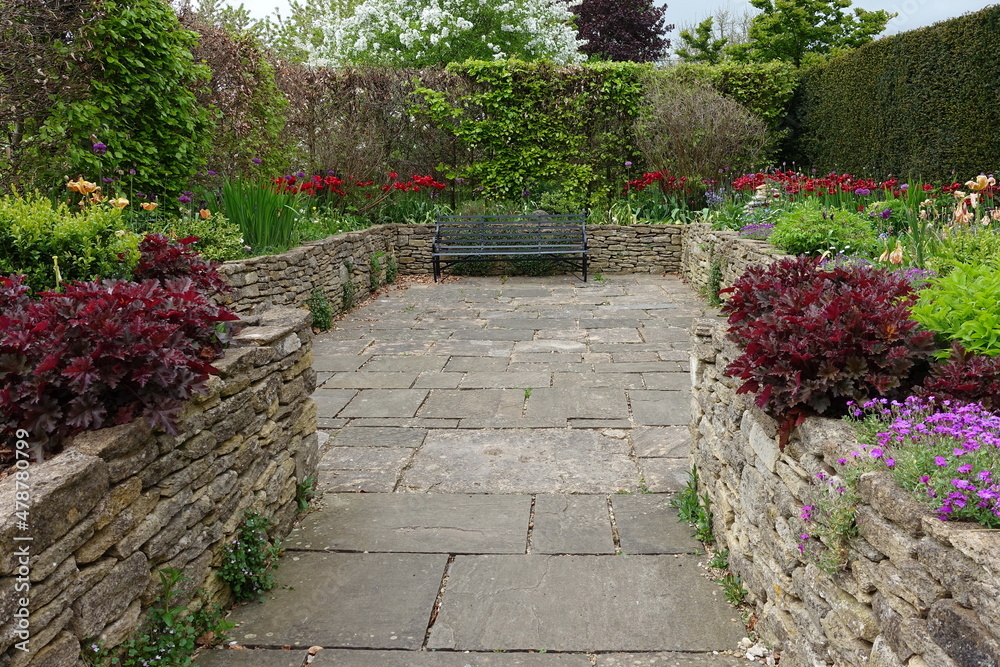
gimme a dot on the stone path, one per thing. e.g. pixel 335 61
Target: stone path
pixel 496 483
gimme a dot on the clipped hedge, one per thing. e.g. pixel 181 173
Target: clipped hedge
pixel 918 103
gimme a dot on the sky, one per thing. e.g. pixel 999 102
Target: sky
pixel 912 13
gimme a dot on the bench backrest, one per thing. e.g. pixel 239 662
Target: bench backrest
pixel 559 231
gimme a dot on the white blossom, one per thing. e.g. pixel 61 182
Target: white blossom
pixel 422 32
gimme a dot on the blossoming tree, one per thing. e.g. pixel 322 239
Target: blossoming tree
pixel 420 33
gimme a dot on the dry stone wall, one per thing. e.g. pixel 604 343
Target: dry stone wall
pixel 916 591
pixel 706 251
pixel 333 263
pixel 121 503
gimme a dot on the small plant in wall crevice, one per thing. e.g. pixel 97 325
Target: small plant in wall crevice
pixel 249 559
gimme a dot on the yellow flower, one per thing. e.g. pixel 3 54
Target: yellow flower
pixel 96 198
pixel 121 202
pixel 148 205
pixel 205 214
pixel 959 195
pixel 981 183
pixel 82 186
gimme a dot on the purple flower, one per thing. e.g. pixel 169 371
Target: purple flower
pixel 965 468
pixel 184 199
pixel 131 172
pixel 99 148
pixel 941 461
pixel 211 173
pixel 863 192
pixel 301 174
pixel 886 214
pixel 904 187
pixel 877 453
pixel 256 160
pixel 628 163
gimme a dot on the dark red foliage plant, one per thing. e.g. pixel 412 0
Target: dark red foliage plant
pixel 162 259
pixel 818 336
pixel 103 353
pixel 964 377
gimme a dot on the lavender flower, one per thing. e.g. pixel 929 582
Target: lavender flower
pixel 757 232
pixel 99 148
pixel 862 192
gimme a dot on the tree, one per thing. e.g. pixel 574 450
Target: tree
pixel 792 30
pixel 422 33
pixel 701 46
pixel 138 117
pixel 632 30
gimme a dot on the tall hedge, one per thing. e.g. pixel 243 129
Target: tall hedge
pixel 564 129
pixel 920 103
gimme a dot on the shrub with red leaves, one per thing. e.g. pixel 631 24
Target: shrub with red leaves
pixel 102 354
pixel 965 377
pixel 818 336
pixel 162 259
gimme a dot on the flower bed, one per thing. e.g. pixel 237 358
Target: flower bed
pixel 916 590
pixel 122 503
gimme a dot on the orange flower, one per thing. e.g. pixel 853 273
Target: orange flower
pixel 82 186
pixel 148 205
pixel 962 213
pixel 205 214
pixel 97 197
pixel 121 202
pixel 896 256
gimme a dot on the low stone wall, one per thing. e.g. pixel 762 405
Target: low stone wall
pixel 917 591
pixel 724 252
pixel 121 503
pixel 290 278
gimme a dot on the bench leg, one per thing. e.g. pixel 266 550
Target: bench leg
pixel 437 268
pixel 584 268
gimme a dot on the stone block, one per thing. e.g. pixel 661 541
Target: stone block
pixel 111 597
pixel 884 535
pixel 880 491
pixel 64 491
pixel 962 636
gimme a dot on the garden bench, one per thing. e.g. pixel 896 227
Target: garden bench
pixel 488 238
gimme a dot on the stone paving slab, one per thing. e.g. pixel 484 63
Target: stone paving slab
pixel 506 380
pixel 358 436
pixel 401 347
pixel 394 364
pixel 251 658
pixel 583 603
pixel 662 441
pixel 385 403
pixel 580 379
pixel 405 523
pixel 479 404
pixel 494 334
pixel 669 660
pixel 339 362
pixel 436 380
pixel 473 348
pixel 365 458
pixel 648 525
pixel 357 481
pixel 571 524
pixel 476 365
pixel 345 658
pixel 345 600
pixel 660 408
pixel 667 381
pixel 522 461
pixel 331 401
pixel 577 403
pixel 364 380
pixel 665 475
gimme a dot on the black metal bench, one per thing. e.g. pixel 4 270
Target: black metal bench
pixel 488 238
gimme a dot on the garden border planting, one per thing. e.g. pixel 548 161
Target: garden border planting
pixel 122 503
pixel 915 590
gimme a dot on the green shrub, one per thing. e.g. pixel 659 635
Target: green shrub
pixel 219 238
pixel 807 229
pixel 267 219
pixel 911 103
pixel 962 307
pixel 87 243
pixel 765 89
